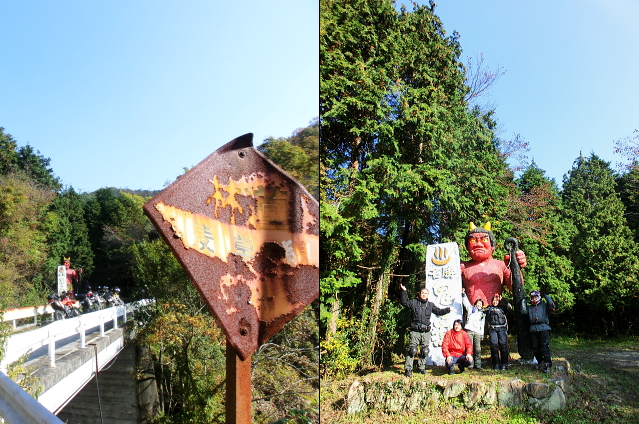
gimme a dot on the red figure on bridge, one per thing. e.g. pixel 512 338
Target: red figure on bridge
pixel 72 275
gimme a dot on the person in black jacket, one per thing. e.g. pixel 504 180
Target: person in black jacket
pixel 537 312
pixel 419 327
pixel 498 331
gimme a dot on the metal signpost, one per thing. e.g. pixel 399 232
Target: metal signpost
pixel 247 234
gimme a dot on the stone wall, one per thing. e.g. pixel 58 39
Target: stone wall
pixel 405 394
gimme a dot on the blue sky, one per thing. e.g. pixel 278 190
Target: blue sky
pixel 572 72
pixel 127 94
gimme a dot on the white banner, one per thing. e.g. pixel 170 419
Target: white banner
pixel 443 281
pixel 62 279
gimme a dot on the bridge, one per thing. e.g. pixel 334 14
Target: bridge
pixel 57 360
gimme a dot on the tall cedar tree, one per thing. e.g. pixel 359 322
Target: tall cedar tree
pixel 71 238
pixel 628 188
pixel 602 249
pixel 544 238
pixel 404 161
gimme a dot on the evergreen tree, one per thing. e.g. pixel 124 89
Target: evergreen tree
pixel 297 154
pixel 70 238
pixel 115 222
pixel 405 162
pixel 25 160
pixel 628 189
pixel 544 238
pixel 602 249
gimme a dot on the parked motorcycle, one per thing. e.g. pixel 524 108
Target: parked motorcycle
pixel 60 309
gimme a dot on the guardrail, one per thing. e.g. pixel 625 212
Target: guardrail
pixel 27 312
pixel 18 406
pixel 21 343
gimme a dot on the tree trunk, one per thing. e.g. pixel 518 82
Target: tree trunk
pixel 335 308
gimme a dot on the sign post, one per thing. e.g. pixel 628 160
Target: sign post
pixel 443 281
pixel 247 234
pixel 62 279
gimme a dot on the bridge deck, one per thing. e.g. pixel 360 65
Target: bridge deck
pixel 74 366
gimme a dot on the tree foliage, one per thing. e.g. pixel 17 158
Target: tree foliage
pixel 408 158
pixel 601 243
pixel 297 154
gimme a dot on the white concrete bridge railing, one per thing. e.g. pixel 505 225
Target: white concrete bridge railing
pixel 16 405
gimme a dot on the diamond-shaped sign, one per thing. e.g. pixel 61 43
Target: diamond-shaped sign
pixel 247 234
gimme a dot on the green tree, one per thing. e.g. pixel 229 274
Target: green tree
pixel 297 154
pixel 24 219
pixel 115 222
pixel 602 249
pixel 405 161
pixel 25 160
pixel 628 189
pixel 70 237
pixel 544 238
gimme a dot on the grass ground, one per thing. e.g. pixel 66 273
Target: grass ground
pixel 603 388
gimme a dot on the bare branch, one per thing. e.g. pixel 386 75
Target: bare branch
pixel 480 78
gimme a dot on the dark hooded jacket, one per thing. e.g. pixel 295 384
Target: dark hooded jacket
pixel 538 315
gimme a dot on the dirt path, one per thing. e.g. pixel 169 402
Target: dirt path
pixel 627 360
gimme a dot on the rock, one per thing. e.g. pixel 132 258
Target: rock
pixel 453 389
pixel 556 401
pixel 355 401
pixel 559 382
pixel 511 393
pixel 490 397
pixel 422 396
pixel 475 393
pixel 538 390
pixel 395 398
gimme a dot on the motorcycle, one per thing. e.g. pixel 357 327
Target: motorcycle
pixel 107 295
pixel 60 309
pixel 116 295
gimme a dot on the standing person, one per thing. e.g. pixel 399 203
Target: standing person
pixel 457 348
pixel 475 323
pixel 419 327
pixel 498 331
pixel 539 320
pixel 483 276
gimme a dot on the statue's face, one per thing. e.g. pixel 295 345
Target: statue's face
pixel 67 264
pixel 479 247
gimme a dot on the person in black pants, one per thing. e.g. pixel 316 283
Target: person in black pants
pixel 538 318
pixel 498 331
pixel 419 327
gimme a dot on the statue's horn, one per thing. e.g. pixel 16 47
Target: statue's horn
pixel 471 226
pixel 487 226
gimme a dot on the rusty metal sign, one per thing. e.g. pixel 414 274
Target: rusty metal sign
pixel 247 234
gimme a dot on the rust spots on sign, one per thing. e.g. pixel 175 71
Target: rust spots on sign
pixel 247 234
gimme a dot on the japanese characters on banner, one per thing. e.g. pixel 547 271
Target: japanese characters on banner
pixel 62 279
pixel 443 281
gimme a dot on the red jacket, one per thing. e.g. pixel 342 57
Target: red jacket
pixel 456 343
